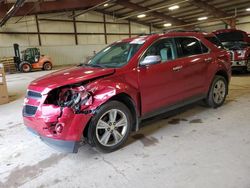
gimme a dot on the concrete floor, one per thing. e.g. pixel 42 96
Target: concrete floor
pixel 198 147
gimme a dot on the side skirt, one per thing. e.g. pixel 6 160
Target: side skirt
pixel 173 107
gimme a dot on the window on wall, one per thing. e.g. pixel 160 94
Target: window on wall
pixel 188 46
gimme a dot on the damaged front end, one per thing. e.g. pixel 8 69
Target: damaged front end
pixel 60 116
pixel 76 98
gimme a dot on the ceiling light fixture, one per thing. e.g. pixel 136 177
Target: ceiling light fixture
pixel 174 7
pixel 248 9
pixel 167 25
pixel 202 18
pixel 106 4
pixel 141 16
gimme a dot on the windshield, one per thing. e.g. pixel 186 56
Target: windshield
pixel 116 55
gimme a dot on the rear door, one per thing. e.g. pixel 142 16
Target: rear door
pixel 195 59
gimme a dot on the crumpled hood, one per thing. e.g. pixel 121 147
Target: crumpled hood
pixel 66 77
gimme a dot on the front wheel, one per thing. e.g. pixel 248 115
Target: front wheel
pixel 218 91
pixel 110 127
pixel 25 67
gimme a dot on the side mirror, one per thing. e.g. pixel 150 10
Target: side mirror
pixel 151 59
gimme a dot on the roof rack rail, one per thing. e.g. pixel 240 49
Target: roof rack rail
pixel 144 34
pixel 184 30
pixel 171 31
pixel 148 34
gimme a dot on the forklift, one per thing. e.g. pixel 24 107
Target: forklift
pixel 31 59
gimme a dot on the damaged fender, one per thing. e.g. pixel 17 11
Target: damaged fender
pixel 104 90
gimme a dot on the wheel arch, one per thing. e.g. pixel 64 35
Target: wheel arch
pixel 224 74
pixel 47 62
pixel 128 102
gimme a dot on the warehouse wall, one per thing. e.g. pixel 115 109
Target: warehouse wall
pixel 58 39
pixel 61 55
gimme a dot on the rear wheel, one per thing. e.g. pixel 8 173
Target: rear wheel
pixel 110 127
pixel 25 67
pixel 47 66
pixel 218 91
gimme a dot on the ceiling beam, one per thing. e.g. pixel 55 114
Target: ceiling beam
pixel 130 19
pixel 214 11
pixel 151 5
pixel 155 14
pixel 49 6
pixel 11 12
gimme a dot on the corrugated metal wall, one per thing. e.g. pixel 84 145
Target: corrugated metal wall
pixel 62 47
pixel 61 55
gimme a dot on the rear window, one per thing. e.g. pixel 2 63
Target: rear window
pixel 188 46
pixel 215 41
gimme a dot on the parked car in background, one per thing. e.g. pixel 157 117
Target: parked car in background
pixel 237 42
pixel 128 81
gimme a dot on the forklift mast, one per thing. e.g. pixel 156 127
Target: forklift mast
pixel 17 57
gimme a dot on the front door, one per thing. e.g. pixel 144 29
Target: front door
pixel 160 84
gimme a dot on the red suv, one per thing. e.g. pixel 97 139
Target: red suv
pixel 128 81
pixel 238 43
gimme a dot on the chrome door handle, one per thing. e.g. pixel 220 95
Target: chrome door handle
pixel 177 68
pixel 208 60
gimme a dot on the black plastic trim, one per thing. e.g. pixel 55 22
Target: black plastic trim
pixel 173 106
pixel 60 145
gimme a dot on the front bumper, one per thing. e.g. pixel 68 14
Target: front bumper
pixel 68 138
pixel 240 63
pixel 60 145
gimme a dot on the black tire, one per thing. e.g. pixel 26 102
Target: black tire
pixel 248 64
pixel 101 114
pixel 25 67
pixel 47 66
pixel 212 99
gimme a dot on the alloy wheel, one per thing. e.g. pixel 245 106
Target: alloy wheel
pixel 219 91
pixel 111 127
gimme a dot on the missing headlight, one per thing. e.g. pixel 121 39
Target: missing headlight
pixel 76 98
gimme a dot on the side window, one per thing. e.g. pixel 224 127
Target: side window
pixel 204 48
pixel 164 48
pixel 215 41
pixel 188 46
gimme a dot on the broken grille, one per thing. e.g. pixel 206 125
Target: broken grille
pixel 29 110
pixel 33 94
